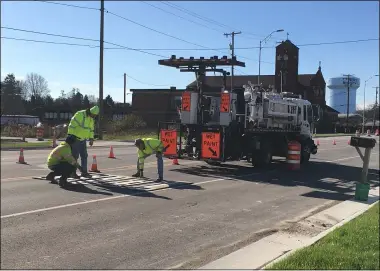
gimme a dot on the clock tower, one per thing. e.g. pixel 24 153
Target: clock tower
pixel 286 71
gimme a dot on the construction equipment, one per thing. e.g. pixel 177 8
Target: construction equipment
pixel 248 123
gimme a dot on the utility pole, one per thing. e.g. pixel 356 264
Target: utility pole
pixel 232 47
pixel 125 88
pixel 374 111
pixel 348 98
pixel 100 131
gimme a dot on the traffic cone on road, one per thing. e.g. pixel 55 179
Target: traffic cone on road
pixel 21 159
pixel 175 162
pixel 317 142
pixel 112 155
pixel 377 132
pixel 94 166
pixel 334 142
pixel 349 142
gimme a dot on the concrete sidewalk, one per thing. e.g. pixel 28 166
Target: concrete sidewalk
pixel 300 234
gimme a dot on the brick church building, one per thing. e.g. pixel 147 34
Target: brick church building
pixel 160 104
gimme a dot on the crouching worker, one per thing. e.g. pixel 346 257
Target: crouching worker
pixel 147 147
pixel 61 161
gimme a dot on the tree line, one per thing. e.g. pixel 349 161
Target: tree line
pixel 32 97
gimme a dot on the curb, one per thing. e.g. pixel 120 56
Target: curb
pixel 50 148
pixel 281 244
pixel 318 237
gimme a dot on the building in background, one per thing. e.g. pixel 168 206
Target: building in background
pixel 337 94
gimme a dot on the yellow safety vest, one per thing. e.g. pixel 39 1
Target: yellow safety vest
pixel 151 146
pixel 81 126
pixel 62 153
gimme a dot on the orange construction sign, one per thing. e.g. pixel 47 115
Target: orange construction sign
pixel 186 101
pixel 211 145
pixel 225 103
pixel 169 139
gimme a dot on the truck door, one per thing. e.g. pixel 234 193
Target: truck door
pixel 305 125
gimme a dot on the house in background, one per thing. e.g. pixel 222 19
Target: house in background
pixel 161 104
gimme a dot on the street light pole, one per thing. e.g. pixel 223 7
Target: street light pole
pixel 260 47
pixel 365 84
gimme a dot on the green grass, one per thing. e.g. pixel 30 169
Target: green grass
pixel 355 245
pixel 131 135
pixel 9 144
pixel 332 135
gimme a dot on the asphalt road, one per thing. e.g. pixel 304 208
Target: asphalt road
pixel 199 215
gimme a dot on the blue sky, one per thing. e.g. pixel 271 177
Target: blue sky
pixel 71 66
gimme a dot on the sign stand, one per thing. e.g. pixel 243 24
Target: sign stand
pixel 362 187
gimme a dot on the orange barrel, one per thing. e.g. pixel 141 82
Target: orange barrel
pixel 40 133
pixel 293 159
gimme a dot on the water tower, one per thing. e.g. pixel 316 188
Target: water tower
pixel 337 94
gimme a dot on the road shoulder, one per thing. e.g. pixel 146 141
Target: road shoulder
pixel 298 235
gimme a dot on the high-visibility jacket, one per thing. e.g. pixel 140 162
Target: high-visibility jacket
pixel 61 153
pixel 151 146
pixel 81 126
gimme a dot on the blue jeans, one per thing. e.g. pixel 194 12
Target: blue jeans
pixel 160 166
pixel 80 148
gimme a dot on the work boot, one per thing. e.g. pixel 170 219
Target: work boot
pixel 62 181
pixel 85 174
pixel 50 177
pixel 75 176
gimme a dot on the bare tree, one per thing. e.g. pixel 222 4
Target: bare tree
pixel 35 85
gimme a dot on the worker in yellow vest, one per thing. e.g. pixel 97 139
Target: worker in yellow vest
pixel 82 126
pixel 61 162
pixel 147 147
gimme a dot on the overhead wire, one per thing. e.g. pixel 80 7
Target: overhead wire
pixel 68 5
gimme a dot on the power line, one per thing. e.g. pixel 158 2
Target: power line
pixel 165 34
pixel 82 45
pixel 144 82
pixel 206 19
pixel 68 5
pixel 176 15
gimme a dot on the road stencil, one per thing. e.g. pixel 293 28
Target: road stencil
pixel 107 180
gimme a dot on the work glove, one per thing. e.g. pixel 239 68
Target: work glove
pixel 139 173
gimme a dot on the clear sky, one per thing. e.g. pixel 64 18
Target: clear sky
pixel 73 66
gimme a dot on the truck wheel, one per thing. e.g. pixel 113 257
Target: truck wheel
pixel 263 158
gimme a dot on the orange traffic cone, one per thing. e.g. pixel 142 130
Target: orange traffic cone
pixel 94 166
pixel 349 142
pixel 21 159
pixel 377 132
pixel 317 142
pixel 111 154
pixel 334 142
pixel 175 162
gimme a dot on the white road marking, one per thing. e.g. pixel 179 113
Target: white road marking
pixel 124 196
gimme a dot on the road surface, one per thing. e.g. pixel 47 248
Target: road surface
pixel 199 215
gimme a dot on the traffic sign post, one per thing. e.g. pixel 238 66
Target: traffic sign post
pixel 362 187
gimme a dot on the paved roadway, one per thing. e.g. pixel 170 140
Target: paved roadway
pixel 97 226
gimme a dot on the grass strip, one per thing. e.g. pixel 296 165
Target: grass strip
pixel 354 246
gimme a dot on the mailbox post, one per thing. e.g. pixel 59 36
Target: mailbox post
pixel 362 187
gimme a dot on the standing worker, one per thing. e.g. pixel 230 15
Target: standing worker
pixel 81 127
pixel 61 161
pixel 146 147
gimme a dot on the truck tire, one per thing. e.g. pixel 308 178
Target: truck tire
pixel 263 157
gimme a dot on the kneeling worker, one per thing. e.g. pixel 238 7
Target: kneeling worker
pixel 61 161
pixel 146 147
